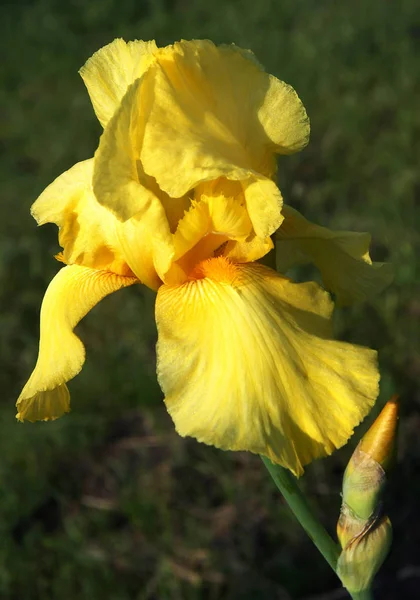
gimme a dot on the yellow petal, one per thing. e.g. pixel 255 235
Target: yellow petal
pixel 109 72
pixel 204 231
pixel 120 184
pixel 218 187
pixel 147 251
pixel 212 112
pixel 195 225
pixel 69 297
pixel 283 118
pixel 264 203
pixel 119 180
pixel 174 207
pixel 342 257
pixel 219 111
pixel 211 215
pixel 87 230
pixel 252 249
pixel 228 217
pixel 116 181
pixel 246 362
pixel 52 205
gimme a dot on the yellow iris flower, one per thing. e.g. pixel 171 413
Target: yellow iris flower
pixel 181 196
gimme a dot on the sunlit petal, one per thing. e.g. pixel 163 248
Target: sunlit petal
pixel 220 112
pixel 121 186
pixel 109 72
pixel 342 257
pixel 69 297
pixel 252 249
pixel 211 215
pixel 146 248
pixel 246 362
pixel 204 231
pixel 264 203
pixel 210 112
pixel 87 230
pixel 228 217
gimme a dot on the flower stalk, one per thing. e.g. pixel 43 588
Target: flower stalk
pixel 287 484
pixel 364 533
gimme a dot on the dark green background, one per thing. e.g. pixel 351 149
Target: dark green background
pixel 108 502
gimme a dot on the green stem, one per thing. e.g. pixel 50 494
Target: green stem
pixel 294 497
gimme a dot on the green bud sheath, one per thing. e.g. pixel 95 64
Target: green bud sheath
pixel 363 484
pixel 361 559
pixel 365 535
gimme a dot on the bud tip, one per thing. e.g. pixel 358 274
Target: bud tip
pixel 379 441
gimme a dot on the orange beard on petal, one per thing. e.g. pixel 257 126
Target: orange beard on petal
pixel 218 269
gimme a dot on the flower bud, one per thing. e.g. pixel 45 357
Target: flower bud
pixel 363 483
pixel 362 557
pixel 364 477
pixel 348 526
pixel 364 534
pixel 379 441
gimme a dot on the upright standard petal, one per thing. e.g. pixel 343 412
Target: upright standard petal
pixel 88 233
pixel 218 110
pixel 342 257
pixel 121 185
pixel 69 297
pixel 109 72
pixel 246 362
pixel 220 115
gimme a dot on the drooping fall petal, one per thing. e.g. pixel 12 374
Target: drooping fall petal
pixel 72 293
pixel 109 72
pixel 342 257
pixel 246 362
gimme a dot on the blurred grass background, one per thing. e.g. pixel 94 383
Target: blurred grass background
pixel 108 502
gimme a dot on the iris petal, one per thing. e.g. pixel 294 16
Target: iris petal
pixel 200 113
pixel 264 202
pixel 342 257
pixel 109 72
pixel 73 292
pixel 204 231
pixel 88 232
pixel 120 185
pixel 252 249
pixel 220 114
pixel 246 362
